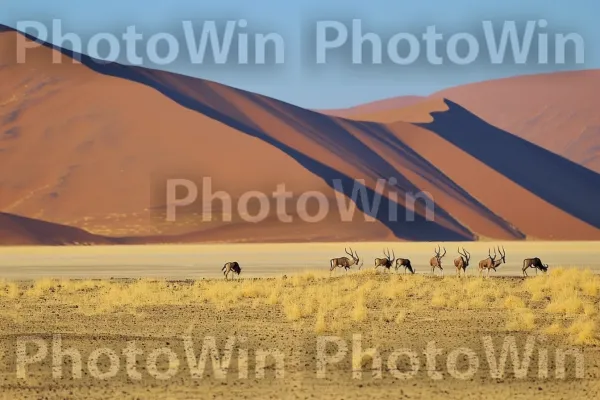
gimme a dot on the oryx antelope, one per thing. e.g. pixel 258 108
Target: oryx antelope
pixel 404 262
pixel 491 262
pixel 344 262
pixel 436 261
pixel 462 262
pixel 534 263
pixel 386 262
pixel 232 267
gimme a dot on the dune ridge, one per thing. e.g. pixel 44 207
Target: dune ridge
pixel 553 110
pixel 393 103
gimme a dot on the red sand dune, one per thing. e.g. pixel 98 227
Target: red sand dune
pixel 18 230
pixel 77 152
pixel 89 145
pixel 557 111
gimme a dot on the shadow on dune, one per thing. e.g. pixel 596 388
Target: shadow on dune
pixel 436 177
pixel 329 135
pixel 558 181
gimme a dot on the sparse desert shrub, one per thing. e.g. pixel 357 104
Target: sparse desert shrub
pixel 251 290
pixel 564 281
pixel 9 290
pixel 590 284
pixel 583 331
pixel 478 302
pixel 512 302
pixel 567 303
pixel 360 310
pixel 320 324
pixel 590 310
pixel 439 299
pixel 520 320
pixel 68 286
pixel 555 329
pixel 274 296
pixel 292 311
pixel 42 287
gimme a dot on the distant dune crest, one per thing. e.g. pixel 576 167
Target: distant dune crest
pixel 556 111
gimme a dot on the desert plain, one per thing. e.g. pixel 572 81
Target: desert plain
pixel 139 334
pixel 136 321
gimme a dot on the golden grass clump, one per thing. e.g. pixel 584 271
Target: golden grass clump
pixel 521 319
pixel 320 324
pixel 584 331
pixel 359 313
pixel 9 289
pixel 555 329
pixel 42 287
pixel 566 303
pixel 292 311
pixel 513 302
pixel 564 281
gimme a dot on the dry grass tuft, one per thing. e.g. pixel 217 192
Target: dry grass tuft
pixel 521 319
pixel 555 329
pixel 9 290
pixel 584 331
pixel 320 324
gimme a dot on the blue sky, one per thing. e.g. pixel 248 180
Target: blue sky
pixel 338 83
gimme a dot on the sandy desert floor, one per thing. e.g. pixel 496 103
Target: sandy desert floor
pixel 265 260
pixel 472 321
